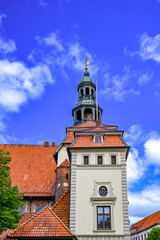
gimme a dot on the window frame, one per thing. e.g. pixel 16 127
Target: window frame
pixel 84 160
pixel 98 142
pixel 104 214
pixel 97 160
pixel 113 155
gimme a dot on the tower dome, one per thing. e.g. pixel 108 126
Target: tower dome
pixel 86 108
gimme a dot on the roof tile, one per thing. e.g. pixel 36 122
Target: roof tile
pixel 147 222
pixel 32 168
pixel 108 141
pixel 44 223
pixel 61 208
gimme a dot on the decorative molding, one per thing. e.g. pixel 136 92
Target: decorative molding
pixel 73 194
pixel 103 237
pixel 124 195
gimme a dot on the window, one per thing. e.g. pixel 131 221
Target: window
pixel 86 160
pixel 66 176
pixel 113 160
pixel 98 139
pixel 99 160
pixel 103 218
pixel 21 209
pixel 141 237
pixel 145 236
pixel 103 191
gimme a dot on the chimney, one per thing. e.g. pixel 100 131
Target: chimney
pixel 97 123
pixel 46 144
pixel 53 144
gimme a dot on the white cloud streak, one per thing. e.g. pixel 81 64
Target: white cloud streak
pixel 116 86
pixel 7 46
pixel 143 203
pixel 2 15
pixel 135 167
pixel 149 47
pixel 144 78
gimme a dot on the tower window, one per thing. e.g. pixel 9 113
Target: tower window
pixel 66 176
pixel 92 92
pixel 113 160
pixel 86 160
pixel 98 139
pixel 87 90
pixel 81 92
pixel 103 218
pixel 99 160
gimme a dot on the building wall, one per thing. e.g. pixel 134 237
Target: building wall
pixel 84 179
pixel 144 234
pixel 62 155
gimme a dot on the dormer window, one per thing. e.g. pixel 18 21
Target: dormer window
pixel 98 139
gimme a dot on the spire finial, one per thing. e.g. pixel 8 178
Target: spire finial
pixel 87 63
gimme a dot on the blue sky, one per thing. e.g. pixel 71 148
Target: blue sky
pixel 42 48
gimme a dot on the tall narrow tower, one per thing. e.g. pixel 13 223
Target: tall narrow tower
pixel 86 107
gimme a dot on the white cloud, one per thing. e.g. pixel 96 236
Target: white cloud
pixel 152 150
pixel 145 202
pixel 133 135
pixel 135 167
pixel 150 47
pixel 42 3
pixel 144 78
pixel 64 55
pixel 18 83
pixel 52 40
pixel 7 46
pixel 1 17
pixel 116 86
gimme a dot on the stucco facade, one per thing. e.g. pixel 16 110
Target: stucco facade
pixel 85 183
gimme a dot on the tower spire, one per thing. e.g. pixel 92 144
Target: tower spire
pixel 87 63
pixel 86 108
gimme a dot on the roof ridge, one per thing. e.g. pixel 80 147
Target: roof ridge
pixel 60 199
pixel 60 221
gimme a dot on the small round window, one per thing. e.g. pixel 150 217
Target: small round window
pixel 103 191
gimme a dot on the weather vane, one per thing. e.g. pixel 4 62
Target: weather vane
pixel 87 63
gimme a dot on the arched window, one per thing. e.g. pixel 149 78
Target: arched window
pixel 92 93
pixel 78 115
pixel 81 92
pixel 87 90
pixel 88 113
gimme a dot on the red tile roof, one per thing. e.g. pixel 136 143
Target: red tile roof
pixel 108 141
pixel 91 123
pixel 4 234
pixel 61 208
pixel 99 129
pixel 70 137
pixel 32 168
pixel 146 223
pixel 25 216
pixel 43 224
pixel 65 163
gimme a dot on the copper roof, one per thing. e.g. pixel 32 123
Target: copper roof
pixel 44 224
pixel 146 223
pixel 32 168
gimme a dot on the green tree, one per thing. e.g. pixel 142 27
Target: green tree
pixel 10 197
pixel 154 234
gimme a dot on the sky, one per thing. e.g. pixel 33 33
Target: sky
pixel 43 44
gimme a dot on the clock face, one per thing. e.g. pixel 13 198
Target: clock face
pixel 65 184
pixel 103 191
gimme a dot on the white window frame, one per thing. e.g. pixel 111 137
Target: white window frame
pixel 94 140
